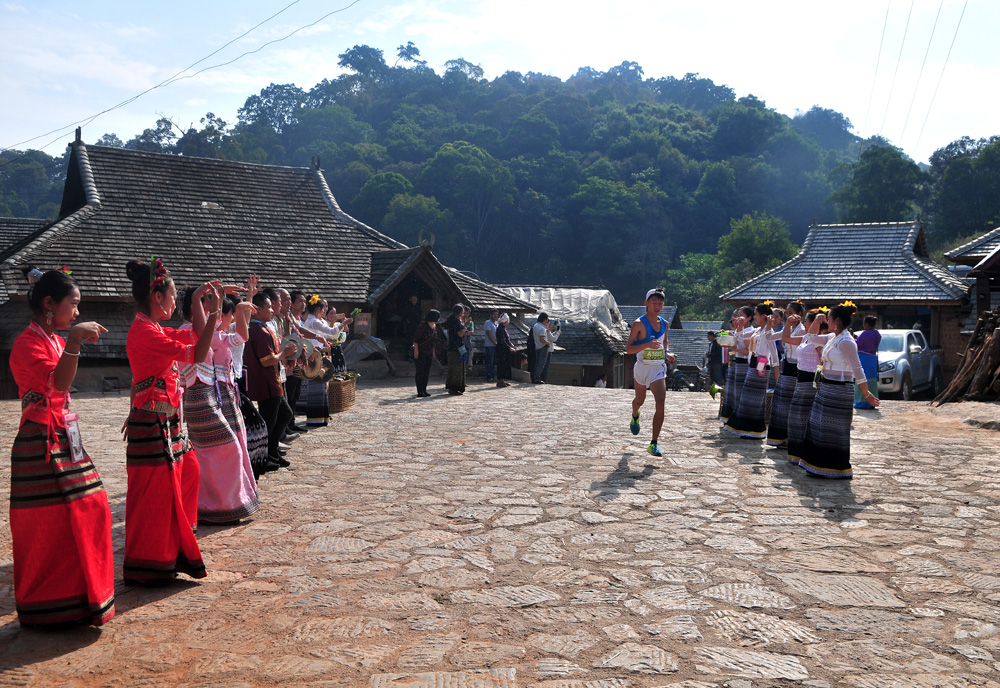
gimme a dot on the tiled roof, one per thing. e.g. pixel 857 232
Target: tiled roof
pixel 689 346
pixel 867 263
pixel 13 230
pixel 483 296
pixel 210 219
pixel 669 313
pixel 701 325
pixel 977 249
pixel 988 266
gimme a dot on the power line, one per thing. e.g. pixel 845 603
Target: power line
pixel 878 59
pixel 941 76
pixel 899 59
pixel 178 76
pixel 921 73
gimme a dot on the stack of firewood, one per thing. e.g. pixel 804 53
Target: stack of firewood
pixel 978 378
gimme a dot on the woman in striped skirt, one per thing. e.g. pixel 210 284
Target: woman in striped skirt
pixel 807 361
pixel 60 522
pixel 737 363
pixel 227 489
pixel 826 452
pixel 777 427
pixel 161 501
pixel 749 419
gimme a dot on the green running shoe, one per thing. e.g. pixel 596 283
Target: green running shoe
pixel 653 449
pixel 634 423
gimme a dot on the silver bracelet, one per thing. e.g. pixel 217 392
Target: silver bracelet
pixel 70 353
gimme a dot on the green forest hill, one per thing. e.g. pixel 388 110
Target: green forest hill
pixel 606 178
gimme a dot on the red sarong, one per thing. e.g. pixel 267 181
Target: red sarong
pixel 161 503
pixel 60 524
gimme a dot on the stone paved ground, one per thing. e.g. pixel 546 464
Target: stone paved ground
pixel 523 538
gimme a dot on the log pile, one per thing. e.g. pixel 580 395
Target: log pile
pixel 978 378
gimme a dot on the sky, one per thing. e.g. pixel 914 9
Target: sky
pixel 878 62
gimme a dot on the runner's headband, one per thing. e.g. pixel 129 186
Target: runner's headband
pixel 655 292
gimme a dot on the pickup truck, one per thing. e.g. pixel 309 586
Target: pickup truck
pixel 906 364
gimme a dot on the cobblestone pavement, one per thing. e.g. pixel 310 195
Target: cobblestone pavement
pixel 522 537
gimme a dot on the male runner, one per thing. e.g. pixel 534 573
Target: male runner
pixel 648 341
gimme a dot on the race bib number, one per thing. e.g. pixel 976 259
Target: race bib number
pixel 76 452
pixel 653 354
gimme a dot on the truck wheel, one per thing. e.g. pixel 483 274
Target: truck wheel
pixel 906 388
pixel 937 383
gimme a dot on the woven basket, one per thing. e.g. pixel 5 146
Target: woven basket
pixel 341 394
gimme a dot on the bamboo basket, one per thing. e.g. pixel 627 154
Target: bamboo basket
pixel 341 394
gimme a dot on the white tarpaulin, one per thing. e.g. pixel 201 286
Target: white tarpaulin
pixel 568 303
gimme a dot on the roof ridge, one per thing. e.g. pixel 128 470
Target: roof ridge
pixel 338 213
pixel 975 243
pixel 929 267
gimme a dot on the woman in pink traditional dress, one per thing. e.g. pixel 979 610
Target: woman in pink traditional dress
pixel 228 490
pixel 161 503
pixel 60 523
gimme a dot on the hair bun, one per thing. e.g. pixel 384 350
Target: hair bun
pixel 136 270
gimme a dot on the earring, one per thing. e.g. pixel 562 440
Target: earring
pixel 48 318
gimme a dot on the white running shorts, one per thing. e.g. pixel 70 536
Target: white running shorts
pixel 646 374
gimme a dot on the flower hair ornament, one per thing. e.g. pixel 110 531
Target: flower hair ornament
pixel 157 273
pixel 849 304
pixel 769 302
pixel 314 299
pixel 823 309
pixel 65 270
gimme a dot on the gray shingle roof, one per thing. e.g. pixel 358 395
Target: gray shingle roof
pixel 867 263
pixel 669 313
pixel 210 218
pixel 977 249
pixel 14 230
pixel 689 346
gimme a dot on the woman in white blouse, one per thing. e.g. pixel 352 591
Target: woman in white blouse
pixel 777 426
pixel 749 419
pixel 314 396
pixel 826 452
pixel 806 361
pixel 742 329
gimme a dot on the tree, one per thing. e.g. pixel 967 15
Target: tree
pixel 462 66
pixel 365 61
pixel 695 287
pixel 409 53
pixel 109 140
pixel 157 140
pixel 755 243
pixel 828 128
pixel 883 186
pixel 276 106
pixel 476 187
pixel 967 199
pixel 206 142
pixel 409 215
pixel 372 202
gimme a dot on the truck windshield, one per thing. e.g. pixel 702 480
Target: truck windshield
pixel 891 342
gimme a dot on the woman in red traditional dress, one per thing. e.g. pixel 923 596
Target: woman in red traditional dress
pixel 161 503
pixel 60 522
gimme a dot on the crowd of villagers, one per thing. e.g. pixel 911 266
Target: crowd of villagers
pixel 821 382
pixel 196 444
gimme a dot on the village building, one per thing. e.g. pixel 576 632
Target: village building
pixel 884 268
pixel 981 256
pixel 593 334
pixel 217 219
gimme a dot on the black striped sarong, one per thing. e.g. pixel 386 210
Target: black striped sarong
pixel 748 421
pixel 256 430
pixel 734 380
pixel 827 448
pixel 777 427
pixel 314 402
pixel 798 414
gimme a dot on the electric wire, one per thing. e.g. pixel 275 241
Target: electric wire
pixel 941 76
pixel 899 59
pixel 878 60
pixel 180 76
pixel 921 73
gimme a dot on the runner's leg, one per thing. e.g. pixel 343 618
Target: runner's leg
pixel 659 390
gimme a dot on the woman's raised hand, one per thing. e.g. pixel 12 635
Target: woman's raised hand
pixel 87 331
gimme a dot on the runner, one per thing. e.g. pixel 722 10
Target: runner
pixel 649 345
